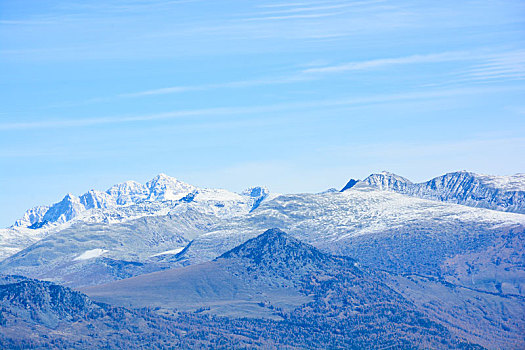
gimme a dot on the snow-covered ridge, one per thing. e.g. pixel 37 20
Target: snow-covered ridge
pixel 131 200
pixel 504 193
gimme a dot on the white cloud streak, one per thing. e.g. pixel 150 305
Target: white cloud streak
pixel 320 8
pixel 232 84
pixel 510 65
pixel 248 110
pixel 504 66
pixel 294 4
pixel 306 11
pixel 386 62
pixel 312 73
pixel 294 16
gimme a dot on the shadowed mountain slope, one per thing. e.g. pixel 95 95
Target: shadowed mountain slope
pixel 277 276
pixel 37 314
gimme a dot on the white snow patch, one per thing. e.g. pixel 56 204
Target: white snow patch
pixel 168 252
pixel 90 254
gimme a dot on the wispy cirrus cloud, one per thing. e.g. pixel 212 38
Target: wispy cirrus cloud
pixel 250 110
pixel 485 66
pixel 306 10
pixel 292 4
pixel 386 62
pixel 489 68
pixel 226 85
pixel 510 65
pixel 505 65
pixel 332 6
pixel 293 16
pixel 309 74
pixel 119 7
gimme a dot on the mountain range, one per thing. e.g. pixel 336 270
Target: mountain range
pixel 344 306
pixel 448 252
pixel 127 201
pixel 154 198
pixel 505 193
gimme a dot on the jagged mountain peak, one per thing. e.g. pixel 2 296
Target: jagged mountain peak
pixel 387 174
pixel 97 199
pixel 163 178
pixel 32 216
pixel 126 186
pixel 128 192
pixel 132 199
pixel 163 187
pixel 463 178
pixel 383 180
pixel 64 210
pixel 514 182
pixel 69 197
pixel 459 173
pixel 386 180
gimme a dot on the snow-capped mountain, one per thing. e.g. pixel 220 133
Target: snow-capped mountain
pixel 504 193
pixel 161 189
pixel 461 264
pixel 127 201
pixel 343 223
pixel 217 219
pixel 65 210
pixel 128 192
pixel 31 217
pixel 165 188
pixel 349 221
pixel 204 223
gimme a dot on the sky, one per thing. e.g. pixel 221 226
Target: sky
pixel 299 95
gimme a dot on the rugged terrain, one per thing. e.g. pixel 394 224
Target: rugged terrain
pixel 449 250
pixel 343 306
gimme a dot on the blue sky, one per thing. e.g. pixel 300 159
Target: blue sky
pixel 299 96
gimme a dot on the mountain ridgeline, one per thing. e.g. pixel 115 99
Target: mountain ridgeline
pixel 504 193
pixel 134 199
pixel 383 263
pixel 163 193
